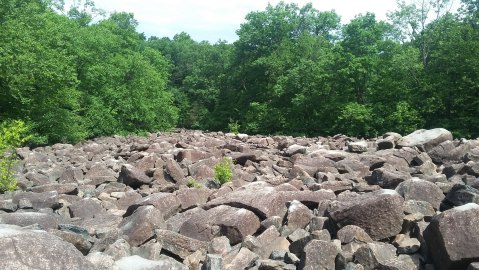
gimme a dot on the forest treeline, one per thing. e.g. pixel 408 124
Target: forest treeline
pixel 73 73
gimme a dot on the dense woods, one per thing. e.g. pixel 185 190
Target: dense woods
pixel 74 73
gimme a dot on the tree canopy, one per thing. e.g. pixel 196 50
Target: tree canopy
pixel 75 74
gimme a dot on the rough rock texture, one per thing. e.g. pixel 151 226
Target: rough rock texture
pixel 151 202
pixel 454 235
pixel 234 223
pixel 34 249
pixel 379 213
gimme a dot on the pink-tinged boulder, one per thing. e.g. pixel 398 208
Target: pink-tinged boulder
pixel 298 216
pixel 319 255
pixel 38 200
pixel 452 237
pixel 231 222
pixel 425 139
pixel 139 227
pixel 86 208
pixel 192 197
pixel 38 250
pixel 167 203
pixel 45 221
pixel 133 177
pixel 258 197
pixel 379 213
pixel 421 190
pixel 178 244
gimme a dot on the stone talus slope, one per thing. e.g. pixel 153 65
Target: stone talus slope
pixel 394 202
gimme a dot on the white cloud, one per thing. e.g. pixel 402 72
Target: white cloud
pixel 219 19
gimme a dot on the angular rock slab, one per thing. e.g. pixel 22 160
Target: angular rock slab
pixel 263 200
pixel 453 237
pixel 379 213
pixel 421 190
pixel 17 246
pixel 178 244
pixel 233 223
pixel 138 263
pixel 426 139
pixel 319 255
pixel 140 226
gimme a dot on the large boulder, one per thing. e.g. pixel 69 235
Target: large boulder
pixel 133 177
pixel 453 237
pixel 231 222
pixel 379 213
pixel 421 190
pixel 258 197
pixel 319 255
pixel 37 250
pixel 140 226
pixel 45 221
pixel 38 200
pixel 167 203
pixel 180 245
pixel 426 139
pixel 138 263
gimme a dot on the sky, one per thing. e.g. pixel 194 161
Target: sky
pixel 213 20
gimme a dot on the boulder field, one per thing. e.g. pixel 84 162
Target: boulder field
pixel 130 203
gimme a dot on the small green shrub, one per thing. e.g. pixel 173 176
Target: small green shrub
pixel 223 173
pixel 12 135
pixel 234 127
pixel 192 183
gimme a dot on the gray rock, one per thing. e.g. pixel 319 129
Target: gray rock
pixel 233 223
pixel 192 197
pixel 263 200
pixel 379 213
pixel 274 265
pixel 295 149
pixel 119 249
pixel 133 177
pixel 139 227
pixel 138 263
pixel 352 233
pixel 298 216
pixel 421 207
pixel 213 262
pixel 45 221
pixel 319 255
pixel 453 237
pixel 425 139
pixel 405 244
pixel 38 200
pixel 167 203
pixel 174 170
pixel 37 250
pixel 86 208
pixel 68 188
pixel 462 194
pixel 243 260
pixel 358 147
pixel 79 241
pixel 473 266
pixel 376 256
pixel 421 190
pixel 387 178
pixel 178 244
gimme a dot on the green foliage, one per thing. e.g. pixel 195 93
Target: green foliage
pixel 234 126
pixel 12 135
pixel 293 70
pixel 223 173
pixel 356 119
pixel 192 183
